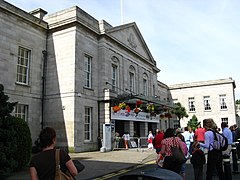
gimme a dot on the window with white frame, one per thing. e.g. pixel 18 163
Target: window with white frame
pixel 145 85
pixel 114 78
pixel 88 71
pixel 131 82
pixel 225 120
pixel 222 99
pixel 24 57
pixel 207 105
pixel 191 103
pixel 21 111
pixel 175 124
pixel 88 124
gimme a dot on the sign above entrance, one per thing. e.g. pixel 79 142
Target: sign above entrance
pixel 131 116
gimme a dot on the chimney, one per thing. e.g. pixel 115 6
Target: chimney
pixel 39 13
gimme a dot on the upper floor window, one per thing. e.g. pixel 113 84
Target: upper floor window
pixel 145 85
pixel 24 56
pixel 222 99
pixel 88 124
pixel 207 105
pixel 21 111
pixel 191 103
pixel 225 120
pixel 114 77
pixel 131 82
pixel 88 71
pixel 154 90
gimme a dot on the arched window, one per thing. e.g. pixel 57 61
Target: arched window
pixel 145 84
pixel 132 81
pixel 115 73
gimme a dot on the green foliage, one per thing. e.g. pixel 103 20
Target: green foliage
pixel 15 138
pixel 24 142
pixel 179 111
pixel 193 122
pixel 238 101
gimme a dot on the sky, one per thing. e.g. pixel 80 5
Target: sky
pixel 190 40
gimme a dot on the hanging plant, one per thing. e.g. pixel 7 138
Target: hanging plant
pixel 139 103
pixel 116 108
pixel 136 111
pixel 150 107
pixel 122 105
pixel 168 115
pixel 161 116
pixel 128 109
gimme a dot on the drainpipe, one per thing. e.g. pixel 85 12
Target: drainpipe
pixel 44 52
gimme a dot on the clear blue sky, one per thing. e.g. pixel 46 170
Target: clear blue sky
pixel 191 40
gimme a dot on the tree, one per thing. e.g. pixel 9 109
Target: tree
pixel 180 112
pixel 238 101
pixel 15 138
pixel 193 122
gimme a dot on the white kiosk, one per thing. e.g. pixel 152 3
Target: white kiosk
pixel 107 138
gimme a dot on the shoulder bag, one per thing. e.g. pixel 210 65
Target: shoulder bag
pixel 59 174
pixel 177 154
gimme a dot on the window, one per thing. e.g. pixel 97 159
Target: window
pixel 88 124
pixel 114 78
pixel 24 56
pixel 175 124
pixel 21 111
pixel 154 91
pixel 191 103
pixel 224 120
pixel 222 99
pixel 88 71
pixel 207 105
pixel 131 82
pixel 145 85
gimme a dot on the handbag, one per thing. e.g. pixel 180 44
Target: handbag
pixel 177 154
pixel 59 175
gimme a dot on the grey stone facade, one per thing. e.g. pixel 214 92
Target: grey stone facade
pixel 55 93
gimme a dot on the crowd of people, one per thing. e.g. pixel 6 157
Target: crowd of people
pixel 195 144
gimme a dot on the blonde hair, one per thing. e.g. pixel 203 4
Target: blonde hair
pixel 209 123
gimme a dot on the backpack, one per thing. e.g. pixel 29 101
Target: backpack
pixel 220 141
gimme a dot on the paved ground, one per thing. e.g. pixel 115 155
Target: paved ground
pixel 98 163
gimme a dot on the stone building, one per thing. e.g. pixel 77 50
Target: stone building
pixel 207 99
pixel 67 70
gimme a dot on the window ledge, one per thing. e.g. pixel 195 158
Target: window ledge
pixel 21 84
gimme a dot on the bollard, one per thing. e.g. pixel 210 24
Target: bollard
pixel 227 167
pixel 238 148
pixel 234 159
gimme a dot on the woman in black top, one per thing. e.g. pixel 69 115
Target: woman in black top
pixel 43 164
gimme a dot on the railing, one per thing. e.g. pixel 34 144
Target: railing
pixel 134 142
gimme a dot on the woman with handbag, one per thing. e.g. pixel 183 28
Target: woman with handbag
pixel 168 142
pixel 43 164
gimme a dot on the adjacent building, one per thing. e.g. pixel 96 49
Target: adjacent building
pixel 207 99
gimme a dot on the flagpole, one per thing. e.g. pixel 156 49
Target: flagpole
pixel 121 12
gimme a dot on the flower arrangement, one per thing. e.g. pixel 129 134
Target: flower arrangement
pixel 168 115
pixel 137 110
pixel 162 116
pixel 116 108
pixel 150 107
pixel 139 103
pixel 122 105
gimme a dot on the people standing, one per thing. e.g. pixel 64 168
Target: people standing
pixel 126 138
pixel 169 141
pixel 157 141
pixel 214 159
pixel 186 135
pixel 228 134
pixel 197 160
pixel 150 140
pixel 183 168
pixel 199 134
pixel 43 164
pixel 191 133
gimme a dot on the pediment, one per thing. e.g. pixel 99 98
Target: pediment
pixel 130 36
